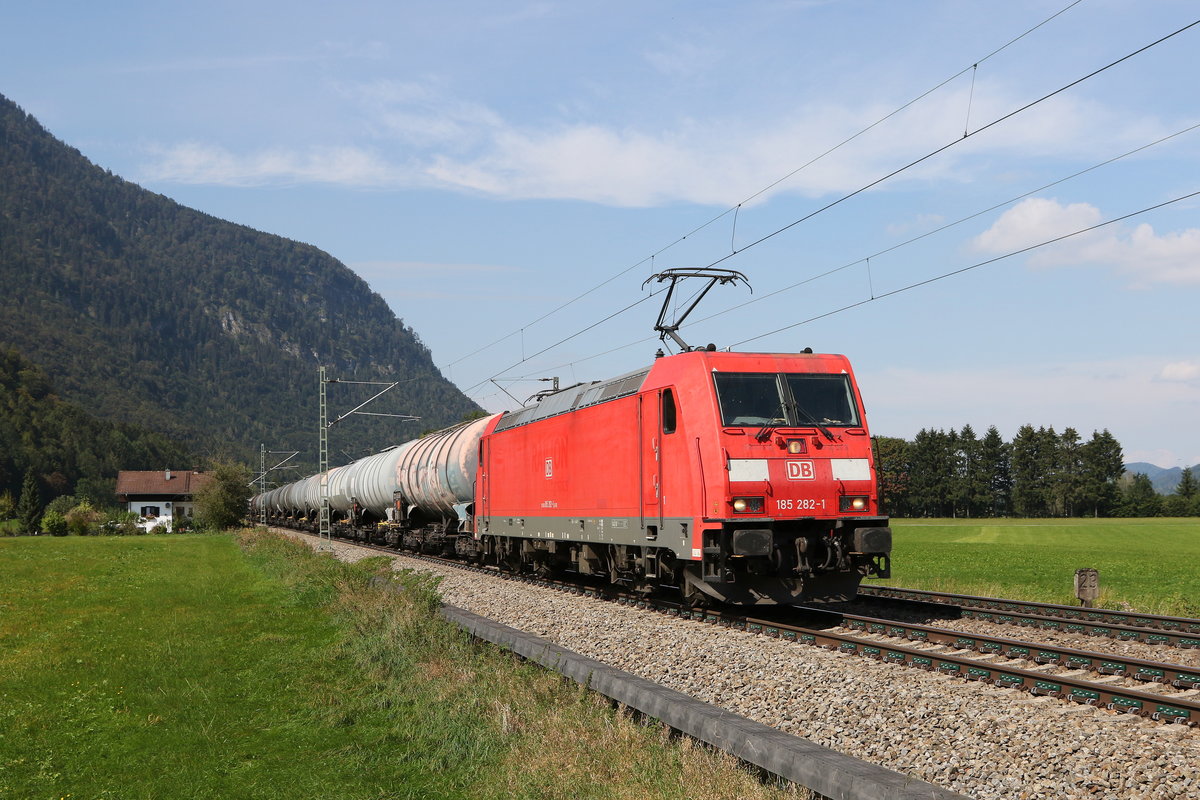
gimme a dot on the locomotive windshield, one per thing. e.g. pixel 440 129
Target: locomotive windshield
pixel 791 399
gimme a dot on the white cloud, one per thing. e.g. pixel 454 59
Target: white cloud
pixel 1138 252
pixel 422 114
pixel 1035 220
pixel 192 162
pixel 424 135
pixel 1181 371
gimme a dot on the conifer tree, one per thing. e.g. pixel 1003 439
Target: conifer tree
pixel 29 507
pixel 1103 465
pixel 1187 484
pixel 1139 498
pixel 994 456
pixel 891 464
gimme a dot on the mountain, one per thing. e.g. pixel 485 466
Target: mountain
pixel 141 309
pixel 1163 480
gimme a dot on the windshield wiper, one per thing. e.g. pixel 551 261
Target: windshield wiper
pixel 770 427
pixel 798 412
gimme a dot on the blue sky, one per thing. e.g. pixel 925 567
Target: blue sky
pixel 483 164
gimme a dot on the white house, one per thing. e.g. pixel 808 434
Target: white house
pixel 160 493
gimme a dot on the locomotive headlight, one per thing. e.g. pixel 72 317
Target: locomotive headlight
pixel 795 447
pixel 747 505
pixel 853 503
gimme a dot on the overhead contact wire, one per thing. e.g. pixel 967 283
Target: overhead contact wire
pixel 767 188
pixel 880 180
pixel 906 242
pixel 564 340
pixel 947 146
pixel 976 265
pixel 949 225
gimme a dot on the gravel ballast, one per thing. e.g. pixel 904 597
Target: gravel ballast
pixel 926 725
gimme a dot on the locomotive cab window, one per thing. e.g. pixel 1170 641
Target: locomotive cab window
pixel 668 411
pixel 792 399
pixel 824 399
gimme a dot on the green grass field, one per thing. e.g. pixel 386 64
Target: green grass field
pixel 1151 565
pixel 215 667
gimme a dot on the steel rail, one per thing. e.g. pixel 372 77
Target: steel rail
pixel 1185 710
pixel 1103 616
pixel 1176 675
pixel 1123 633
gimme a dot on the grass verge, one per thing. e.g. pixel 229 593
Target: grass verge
pixel 209 666
pixel 1149 565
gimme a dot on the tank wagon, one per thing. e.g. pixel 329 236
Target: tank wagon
pixel 737 477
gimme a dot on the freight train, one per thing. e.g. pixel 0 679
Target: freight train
pixel 744 478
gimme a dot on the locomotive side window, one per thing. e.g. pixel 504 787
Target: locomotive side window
pixel 796 399
pixel 668 411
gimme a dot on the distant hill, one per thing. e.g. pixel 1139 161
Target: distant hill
pixel 143 310
pixel 1164 480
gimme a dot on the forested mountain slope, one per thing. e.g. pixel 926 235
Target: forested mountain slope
pixel 143 310
pixel 67 449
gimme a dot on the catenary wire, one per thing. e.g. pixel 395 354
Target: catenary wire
pixel 735 208
pixel 972 266
pixel 873 184
pixel 949 225
pixel 948 145
pixel 564 340
pixel 927 234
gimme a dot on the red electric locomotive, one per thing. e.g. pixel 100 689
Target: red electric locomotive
pixel 739 477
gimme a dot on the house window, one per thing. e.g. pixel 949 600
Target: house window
pixel 149 511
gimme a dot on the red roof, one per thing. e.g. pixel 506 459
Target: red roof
pixel 160 482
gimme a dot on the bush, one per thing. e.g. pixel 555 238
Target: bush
pixel 123 523
pixel 222 502
pixel 54 523
pixel 63 503
pixel 83 520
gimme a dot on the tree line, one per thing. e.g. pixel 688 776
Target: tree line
pixel 1040 473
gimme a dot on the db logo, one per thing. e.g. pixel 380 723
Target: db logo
pixel 801 471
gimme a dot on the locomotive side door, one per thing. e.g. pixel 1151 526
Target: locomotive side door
pixel 672 456
pixel 483 505
pixel 650 463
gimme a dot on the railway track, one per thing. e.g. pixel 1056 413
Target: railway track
pixel 1176 700
pixel 1123 625
pixel 1180 677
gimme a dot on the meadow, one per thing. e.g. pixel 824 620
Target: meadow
pixel 250 667
pixel 1151 565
